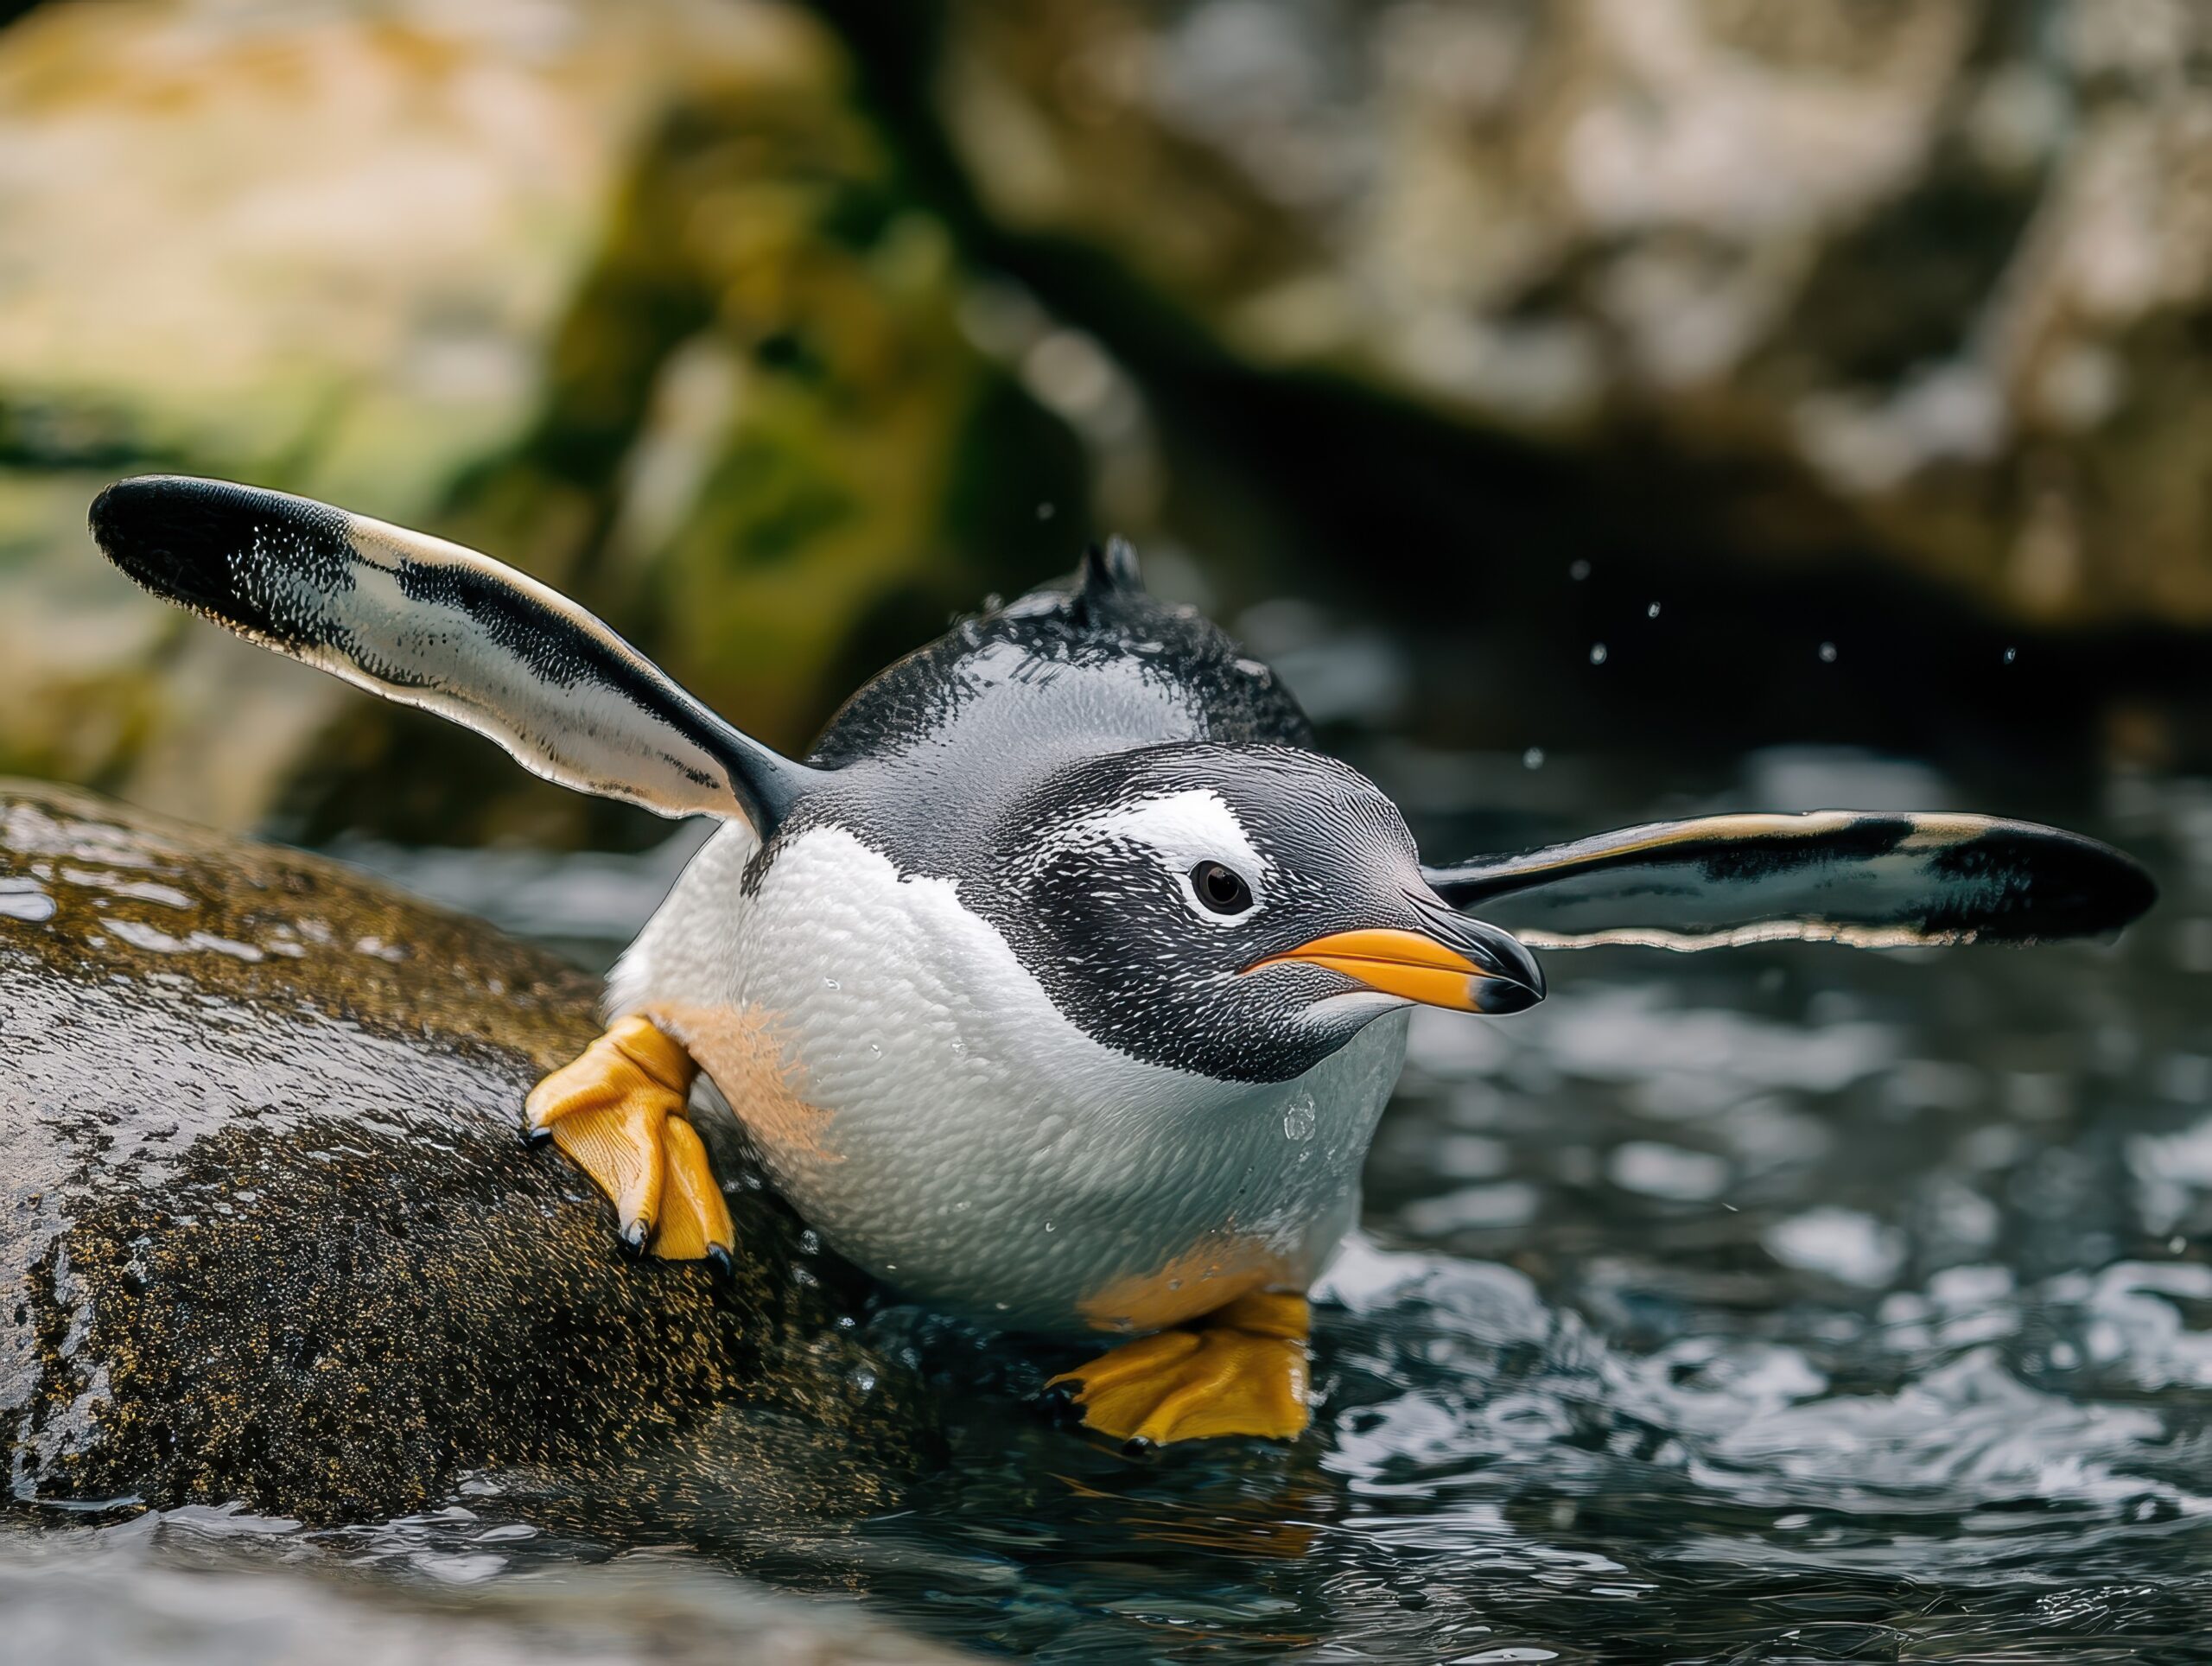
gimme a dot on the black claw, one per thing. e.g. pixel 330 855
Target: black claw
pixel 1057 1403
pixel 1137 1446
pixel 536 1137
pixel 633 1240
pixel 720 1259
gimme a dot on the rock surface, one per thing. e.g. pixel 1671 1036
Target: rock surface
pixel 1931 279
pixel 267 1232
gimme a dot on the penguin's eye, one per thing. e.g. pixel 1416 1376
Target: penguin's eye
pixel 1220 890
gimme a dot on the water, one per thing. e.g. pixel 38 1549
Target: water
pixel 1781 1304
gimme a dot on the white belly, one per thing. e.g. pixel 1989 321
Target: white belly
pixel 915 1096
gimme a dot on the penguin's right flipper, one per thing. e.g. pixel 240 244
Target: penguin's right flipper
pixel 617 1112
pixel 430 624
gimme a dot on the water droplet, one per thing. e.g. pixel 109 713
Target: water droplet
pixel 809 1243
pixel 1533 759
pixel 1048 1226
pixel 1652 612
pixel 1578 571
pixel 2011 654
pixel 1298 1120
pixel 876 1049
pixel 1827 653
pixel 1597 653
pixel 1000 1306
pixel 830 983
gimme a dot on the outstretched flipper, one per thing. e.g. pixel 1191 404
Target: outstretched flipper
pixel 1239 1370
pixel 429 624
pixel 1874 880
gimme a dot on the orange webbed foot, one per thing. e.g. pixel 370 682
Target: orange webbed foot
pixel 1241 1370
pixel 618 1111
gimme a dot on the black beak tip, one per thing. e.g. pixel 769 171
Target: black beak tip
pixel 1516 981
pixel 1499 997
pixel 1507 978
pixel 1533 975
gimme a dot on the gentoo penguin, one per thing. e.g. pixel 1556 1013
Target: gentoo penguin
pixel 1063 982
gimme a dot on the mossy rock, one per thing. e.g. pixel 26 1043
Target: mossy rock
pixel 630 293
pixel 269 1232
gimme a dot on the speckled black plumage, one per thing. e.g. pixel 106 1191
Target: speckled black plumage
pixel 1061 655
pixel 180 539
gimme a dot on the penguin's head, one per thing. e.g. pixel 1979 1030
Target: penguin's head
pixel 1239 912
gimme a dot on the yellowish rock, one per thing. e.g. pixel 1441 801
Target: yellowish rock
pixel 621 290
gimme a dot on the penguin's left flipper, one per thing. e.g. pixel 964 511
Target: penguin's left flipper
pixel 617 1112
pixel 1239 1370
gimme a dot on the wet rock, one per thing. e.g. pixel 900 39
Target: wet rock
pixel 1927 282
pixel 267 1232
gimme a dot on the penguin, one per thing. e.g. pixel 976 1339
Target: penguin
pixel 1063 982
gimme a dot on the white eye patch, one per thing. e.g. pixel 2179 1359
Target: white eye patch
pixel 1185 829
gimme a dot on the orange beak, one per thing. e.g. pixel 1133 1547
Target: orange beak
pixel 1418 967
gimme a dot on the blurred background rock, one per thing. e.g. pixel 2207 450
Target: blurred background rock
pixel 1605 376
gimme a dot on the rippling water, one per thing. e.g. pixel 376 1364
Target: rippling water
pixel 1781 1304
